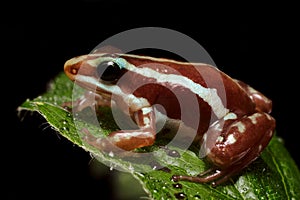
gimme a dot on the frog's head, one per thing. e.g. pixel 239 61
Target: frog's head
pixel 96 72
pixel 107 75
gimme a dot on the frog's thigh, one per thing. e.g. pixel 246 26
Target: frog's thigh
pixel 242 140
pixel 231 144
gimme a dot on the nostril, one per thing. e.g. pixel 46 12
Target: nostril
pixel 71 66
pixel 73 70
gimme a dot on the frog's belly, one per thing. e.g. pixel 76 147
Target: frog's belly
pixel 178 132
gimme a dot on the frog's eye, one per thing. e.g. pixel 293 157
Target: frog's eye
pixel 109 71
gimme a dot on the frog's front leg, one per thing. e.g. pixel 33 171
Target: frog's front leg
pixel 129 139
pixel 231 144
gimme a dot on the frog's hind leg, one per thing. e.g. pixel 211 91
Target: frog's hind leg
pixel 231 144
pixel 244 162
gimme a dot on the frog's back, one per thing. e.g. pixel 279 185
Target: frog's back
pixel 204 80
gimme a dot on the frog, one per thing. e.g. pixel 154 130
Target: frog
pixel 231 120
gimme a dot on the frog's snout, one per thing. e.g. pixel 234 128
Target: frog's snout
pixel 71 68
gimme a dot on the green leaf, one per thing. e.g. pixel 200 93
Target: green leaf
pixel 274 175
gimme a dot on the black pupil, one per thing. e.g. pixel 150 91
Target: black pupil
pixel 109 71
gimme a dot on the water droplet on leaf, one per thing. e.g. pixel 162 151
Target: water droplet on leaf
pixel 177 186
pixel 180 195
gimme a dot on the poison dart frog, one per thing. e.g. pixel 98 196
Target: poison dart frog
pixel 232 120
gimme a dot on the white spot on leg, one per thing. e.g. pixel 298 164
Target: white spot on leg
pixel 117 138
pixel 241 126
pixel 230 139
pixel 268 116
pixel 220 139
pixel 146 121
pixel 218 127
pixel 204 138
pixel 254 117
pixel 260 148
pixel 270 133
pixel 230 116
pixel 146 110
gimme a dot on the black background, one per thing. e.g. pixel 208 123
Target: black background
pixel 255 43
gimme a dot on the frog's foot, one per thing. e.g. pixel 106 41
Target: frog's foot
pixel 218 177
pixel 127 139
pixel 201 178
pixel 231 144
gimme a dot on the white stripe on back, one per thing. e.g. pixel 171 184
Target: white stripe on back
pixel 209 95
